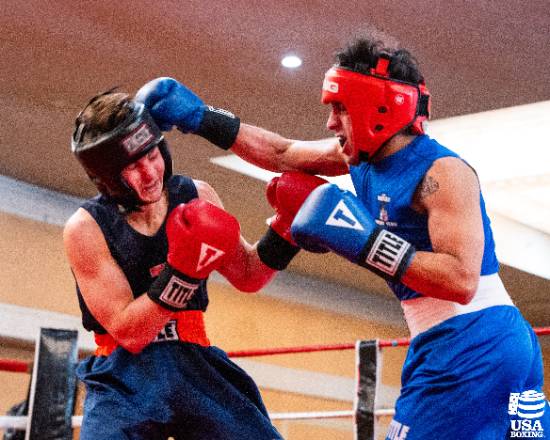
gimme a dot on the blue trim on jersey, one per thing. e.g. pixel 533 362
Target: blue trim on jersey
pixel 387 188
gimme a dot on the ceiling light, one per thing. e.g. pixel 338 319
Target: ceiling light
pixel 291 61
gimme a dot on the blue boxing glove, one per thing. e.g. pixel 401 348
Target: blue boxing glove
pixel 171 103
pixel 338 221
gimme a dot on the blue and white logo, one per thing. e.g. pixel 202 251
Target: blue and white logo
pixel 525 410
pixel 527 405
pixel 342 217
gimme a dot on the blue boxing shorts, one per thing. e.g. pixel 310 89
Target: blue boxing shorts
pixel 476 376
pixel 171 389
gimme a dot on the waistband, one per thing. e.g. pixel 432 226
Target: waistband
pixel 426 312
pixel 185 327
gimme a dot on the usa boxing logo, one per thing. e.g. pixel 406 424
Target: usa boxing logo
pixel 526 410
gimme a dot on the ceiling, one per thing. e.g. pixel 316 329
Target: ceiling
pixel 476 56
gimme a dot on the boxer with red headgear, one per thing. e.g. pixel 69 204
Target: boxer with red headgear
pixel 378 106
pixel 141 252
pixel 417 219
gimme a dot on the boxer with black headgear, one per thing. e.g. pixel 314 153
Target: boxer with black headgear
pixel 141 252
pixel 105 156
pixel 417 219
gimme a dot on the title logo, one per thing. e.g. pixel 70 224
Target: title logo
pixel 342 217
pixel 178 293
pixel 137 139
pixel 208 255
pixel 387 252
pixel 397 431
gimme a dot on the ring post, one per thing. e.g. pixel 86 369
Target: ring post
pixel 368 361
pixel 53 386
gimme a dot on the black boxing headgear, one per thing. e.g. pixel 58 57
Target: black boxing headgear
pixel 105 156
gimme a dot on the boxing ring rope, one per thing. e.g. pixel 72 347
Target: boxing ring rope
pixel 15 366
pixel 20 422
pixel 382 343
pixel 18 366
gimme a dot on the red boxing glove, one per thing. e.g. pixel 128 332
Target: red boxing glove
pixel 287 194
pixel 201 238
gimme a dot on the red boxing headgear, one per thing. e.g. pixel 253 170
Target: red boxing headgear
pixel 378 106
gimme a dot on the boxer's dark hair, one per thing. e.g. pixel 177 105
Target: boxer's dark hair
pixel 362 54
pixel 104 113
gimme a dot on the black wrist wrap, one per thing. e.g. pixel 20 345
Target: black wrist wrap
pixel 173 289
pixel 275 251
pixel 219 127
pixel 387 255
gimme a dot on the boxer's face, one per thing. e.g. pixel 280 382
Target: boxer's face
pixel 145 176
pixel 340 123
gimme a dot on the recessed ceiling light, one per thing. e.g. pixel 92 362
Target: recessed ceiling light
pixel 291 61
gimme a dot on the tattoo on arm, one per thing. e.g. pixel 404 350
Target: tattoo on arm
pixel 429 186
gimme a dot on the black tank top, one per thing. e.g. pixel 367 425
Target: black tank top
pixel 140 257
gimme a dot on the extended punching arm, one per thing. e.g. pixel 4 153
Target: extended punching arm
pixel 171 103
pixel 337 221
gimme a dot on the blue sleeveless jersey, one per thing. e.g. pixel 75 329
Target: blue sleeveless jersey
pixel 140 257
pixel 386 188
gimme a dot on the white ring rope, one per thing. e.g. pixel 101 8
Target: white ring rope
pixel 20 422
pixel 311 415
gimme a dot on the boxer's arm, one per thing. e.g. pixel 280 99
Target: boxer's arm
pixel 173 104
pixel 245 271
pixel 275 153
pixel 133 323
pixel 450 195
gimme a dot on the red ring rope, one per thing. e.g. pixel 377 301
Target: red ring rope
pixel 401 342
pixel 17 366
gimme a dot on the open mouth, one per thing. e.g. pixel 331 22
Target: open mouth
pixel 345 146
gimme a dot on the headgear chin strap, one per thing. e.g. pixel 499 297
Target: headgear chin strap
pixel 378 106
pixel 105 156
